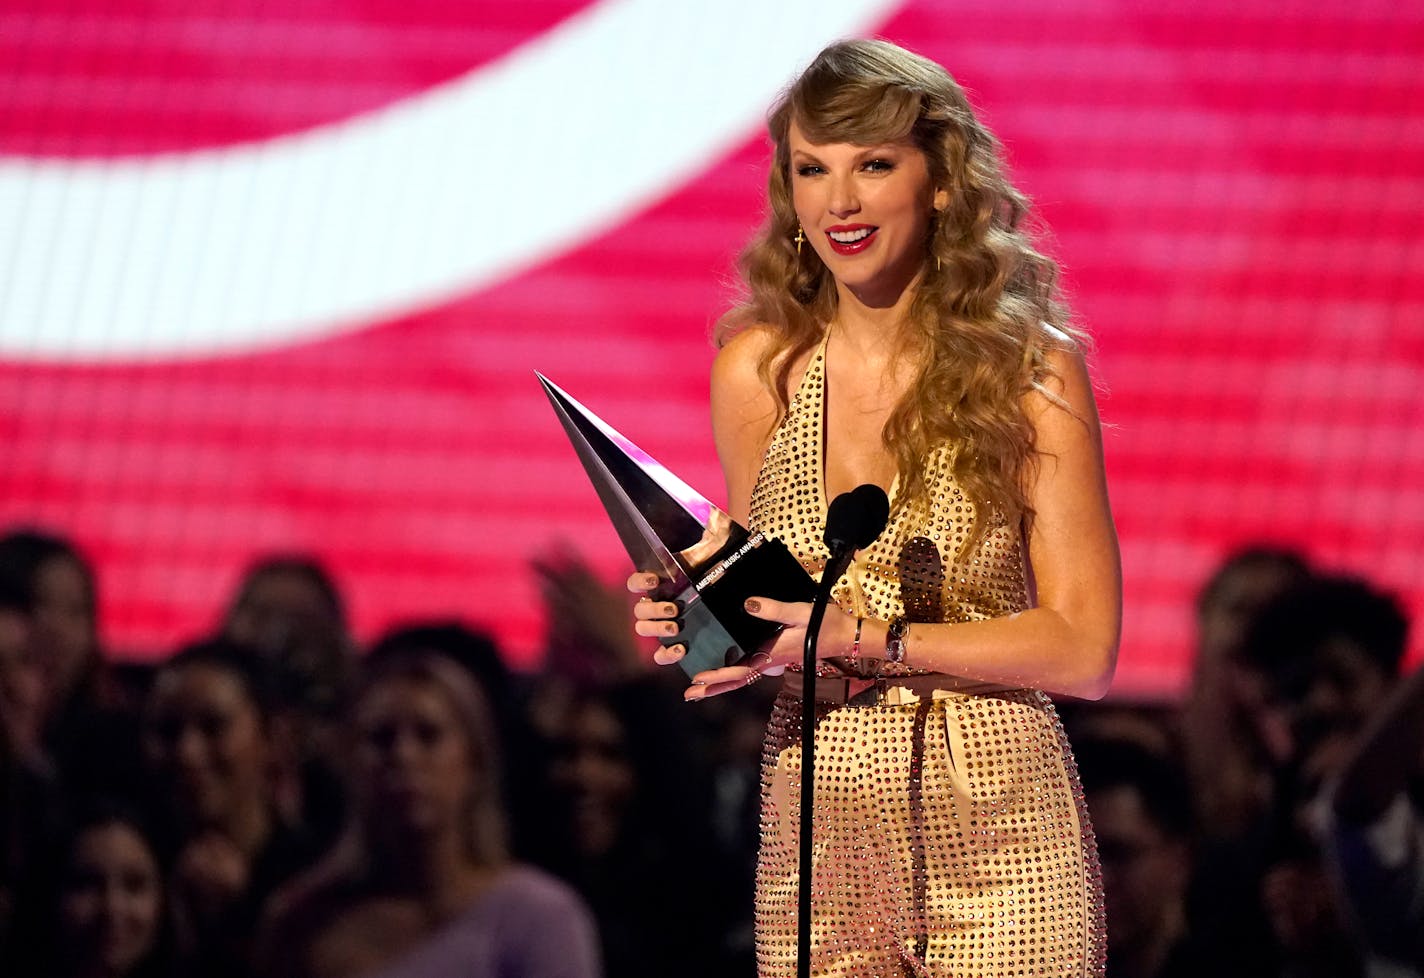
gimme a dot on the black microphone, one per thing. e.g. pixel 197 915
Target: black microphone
pixel 854 519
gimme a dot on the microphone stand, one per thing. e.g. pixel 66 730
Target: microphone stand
pixel 835 567
pixel 853 520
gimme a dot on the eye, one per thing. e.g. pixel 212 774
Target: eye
pixel 879 166
pixel 809 170
pixel 168 730
pixel 381 737
pixel 213 725
pixel 429 734
pixel 136 881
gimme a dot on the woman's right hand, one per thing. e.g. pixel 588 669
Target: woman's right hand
pixel 656 618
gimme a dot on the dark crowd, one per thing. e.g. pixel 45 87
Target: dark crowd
pixel 274 799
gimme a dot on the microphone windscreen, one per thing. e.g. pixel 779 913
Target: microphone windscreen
pixel 854 519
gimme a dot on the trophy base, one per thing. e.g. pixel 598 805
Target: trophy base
pixel 716 629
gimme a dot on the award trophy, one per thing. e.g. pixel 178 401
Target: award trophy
pixel 709 563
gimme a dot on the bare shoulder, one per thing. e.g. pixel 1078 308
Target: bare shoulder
pixel 739 395
pixel 1066 391
pixel 736 368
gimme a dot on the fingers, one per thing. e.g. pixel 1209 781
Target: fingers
pixel 695 693
pixel 642 582
pixel 659 628
pixel 667 655
pixel 740 678
pixel 715 682
pixel 656 619
pixel 786 612
pixel 648 610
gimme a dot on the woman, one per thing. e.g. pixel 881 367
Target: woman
pixel 110 920
pixel 901 330
pixel 617 799
pixel 106 915
pixel 209 742
pixel 60 586
pixel 422 885
pixel 86 734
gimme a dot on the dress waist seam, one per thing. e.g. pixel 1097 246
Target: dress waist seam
pixel 890 690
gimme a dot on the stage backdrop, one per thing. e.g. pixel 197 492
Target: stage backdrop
pixel 276 276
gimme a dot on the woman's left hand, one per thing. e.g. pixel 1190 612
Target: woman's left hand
pixel 786 649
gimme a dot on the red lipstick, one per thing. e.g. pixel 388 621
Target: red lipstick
pixel 863 234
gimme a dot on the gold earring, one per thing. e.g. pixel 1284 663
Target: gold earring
pixel 800 240
pixel 936 216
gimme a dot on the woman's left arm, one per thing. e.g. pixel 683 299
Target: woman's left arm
pixel 1068 642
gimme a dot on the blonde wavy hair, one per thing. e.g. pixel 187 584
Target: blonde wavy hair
pixel 986 313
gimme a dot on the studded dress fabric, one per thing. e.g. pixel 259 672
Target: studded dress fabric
pixel 949 832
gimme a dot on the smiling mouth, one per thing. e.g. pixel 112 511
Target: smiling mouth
pixel 851 240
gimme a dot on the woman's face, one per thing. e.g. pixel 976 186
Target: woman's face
pixel 413 763
pixel 279 608
pixel 206 740
pixel 866 210
pixel 112 900
pixel 593 776
pixel 22 687
pixel 64 622
pixel 1145 870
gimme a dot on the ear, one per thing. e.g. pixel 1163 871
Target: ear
pixel 941 200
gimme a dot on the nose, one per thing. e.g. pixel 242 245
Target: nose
pixel 405 749
pixel 190 747
pixel 844 200
pixel 111 901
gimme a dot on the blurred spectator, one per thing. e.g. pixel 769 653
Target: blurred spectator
pixel 1142 819
pixel 476 653
pixel 289 611
pixel 1235 746
pixel 22 682
pixel 1375 820
pixel 1329 648
pixel 88 737
pixel 422 884
pixel 100 908
pixel 626 785
pixel 209 746
pixel 1232 743
pixel 60 588
pixel 30 799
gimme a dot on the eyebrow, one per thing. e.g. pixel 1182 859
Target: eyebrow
pixel 875 150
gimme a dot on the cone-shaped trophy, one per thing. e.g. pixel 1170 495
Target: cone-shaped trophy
pixel 710 564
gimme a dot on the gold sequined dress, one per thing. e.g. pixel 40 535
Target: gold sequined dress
pixel 950 837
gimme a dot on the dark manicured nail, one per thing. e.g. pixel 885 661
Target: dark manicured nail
pixel 753 606
pixel 650 580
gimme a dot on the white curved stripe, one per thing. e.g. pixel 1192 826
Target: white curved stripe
pixel 305 235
